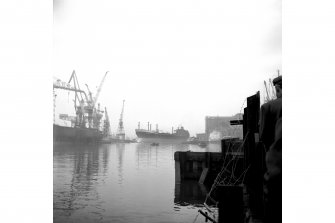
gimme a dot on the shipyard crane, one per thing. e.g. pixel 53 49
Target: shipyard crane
pixel 90 94
pixel 120 130
pixel 107 124
pixel 94 115
pixel 89 108
pixel 99 89
pixel 78 95
pixel 67 86
pixel 97 114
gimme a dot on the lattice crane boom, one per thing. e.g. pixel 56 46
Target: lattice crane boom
pixel 99 90
pixel 90 94
pixel 121 116
pixel 120 130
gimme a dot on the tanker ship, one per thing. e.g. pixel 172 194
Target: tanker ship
pixel 178 136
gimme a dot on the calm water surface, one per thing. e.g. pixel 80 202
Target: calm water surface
pixel 123 183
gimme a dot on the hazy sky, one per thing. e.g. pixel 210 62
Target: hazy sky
pixel 174 62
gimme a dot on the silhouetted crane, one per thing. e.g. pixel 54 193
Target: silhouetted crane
pixel 120 130
pixel 106 124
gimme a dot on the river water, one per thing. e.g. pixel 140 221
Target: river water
pixel 123 183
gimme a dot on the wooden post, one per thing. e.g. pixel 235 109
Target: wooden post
pixel 231 207
pixel 180 166
pixel 177 171
pixel 223 147
pixel 253 155
pixel 245 147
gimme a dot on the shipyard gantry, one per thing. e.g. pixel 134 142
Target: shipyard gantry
pixel 85 125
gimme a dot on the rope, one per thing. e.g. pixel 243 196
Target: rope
pixel 206 216
pixel 243 174
pixel 235 164
pixel 196 217
pixel 208 208
pixel 225 176
pixel 218 179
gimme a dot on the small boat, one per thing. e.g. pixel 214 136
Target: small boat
pixel 155 144
pixel 203 144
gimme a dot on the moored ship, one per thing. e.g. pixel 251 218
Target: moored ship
pixel 76 134
pixel 178 136
pixel 85 126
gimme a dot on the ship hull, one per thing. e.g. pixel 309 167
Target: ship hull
pixel 75 135
pixel 150 137
pixel 160 140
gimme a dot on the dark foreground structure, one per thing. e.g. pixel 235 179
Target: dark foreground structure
pixel 236 174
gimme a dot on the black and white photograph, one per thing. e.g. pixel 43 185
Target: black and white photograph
pixel 164 112
pixel 167 111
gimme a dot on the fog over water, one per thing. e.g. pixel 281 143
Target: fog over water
pixel 123 183
pixel 173 62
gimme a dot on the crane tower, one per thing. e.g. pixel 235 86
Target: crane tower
pixel 106 129
pixel 120 130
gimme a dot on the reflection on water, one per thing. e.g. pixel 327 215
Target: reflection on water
pixel 120 153
pixel 122 183
pixel 75 189
pixel 190 193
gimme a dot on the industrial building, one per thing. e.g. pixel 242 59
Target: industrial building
pixel 217 127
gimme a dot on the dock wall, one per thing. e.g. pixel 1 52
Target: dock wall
pixel 205 166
